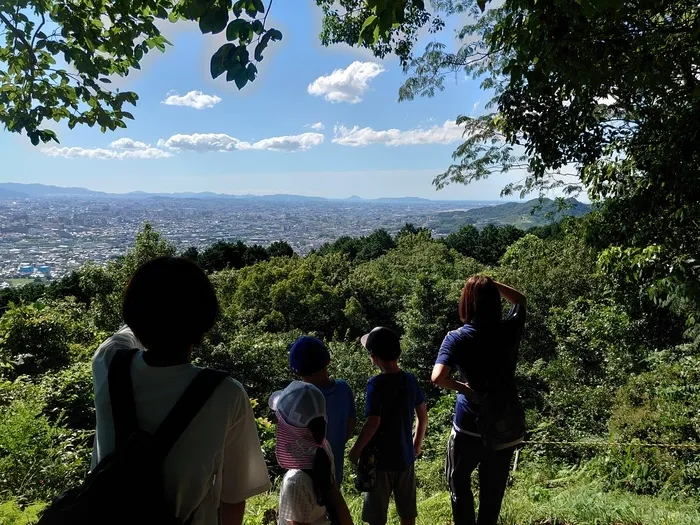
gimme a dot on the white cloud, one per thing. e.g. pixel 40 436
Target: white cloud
pixel 447 133
pixel 346 85
pixel 318 126
pixel 193 99
pixel 107 154
pixel 203 142
pixel 290 143
pixel 127 143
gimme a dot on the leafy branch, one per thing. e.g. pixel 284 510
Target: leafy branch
pixel 98 40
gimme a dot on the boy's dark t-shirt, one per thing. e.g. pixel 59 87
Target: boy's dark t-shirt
pixel 480 358
pixel 394 398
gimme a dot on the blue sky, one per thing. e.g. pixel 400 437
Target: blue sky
pixel 212 137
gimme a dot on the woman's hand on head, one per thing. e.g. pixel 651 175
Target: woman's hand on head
pixel 510 294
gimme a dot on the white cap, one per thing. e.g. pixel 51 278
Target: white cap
pixel 299 403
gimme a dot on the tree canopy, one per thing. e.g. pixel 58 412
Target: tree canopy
pixel 58 57
pixel 594 96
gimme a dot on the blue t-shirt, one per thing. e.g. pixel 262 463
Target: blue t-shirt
pixel 482 357
pixel 340 407
pixel 394 398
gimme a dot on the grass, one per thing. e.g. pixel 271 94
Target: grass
pixel 16 283
pixel 588 504
pixel 580 503
pixel 11 514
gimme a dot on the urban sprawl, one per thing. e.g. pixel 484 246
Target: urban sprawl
pixel 44 238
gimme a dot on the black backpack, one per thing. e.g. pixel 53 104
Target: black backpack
pixel 127 486
pixel 366 477
pixel 501 419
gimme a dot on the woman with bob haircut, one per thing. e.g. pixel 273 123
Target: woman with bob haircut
pixel 216 463
pixel 484 353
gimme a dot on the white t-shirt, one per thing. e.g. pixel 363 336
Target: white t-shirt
pixel 217 458
pixel 298 501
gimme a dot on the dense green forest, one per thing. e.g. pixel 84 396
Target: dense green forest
pixel 600 363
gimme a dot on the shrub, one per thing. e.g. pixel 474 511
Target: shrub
pixel 68 396
pixel 38 460
pixel 658 406
pixel 33 339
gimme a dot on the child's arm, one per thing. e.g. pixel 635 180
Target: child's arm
pixel 421 426
pixel 368 430
pixel 340 506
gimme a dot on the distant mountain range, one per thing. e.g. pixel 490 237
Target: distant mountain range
pixel 524 215
pixel 15 190
pixel 521 214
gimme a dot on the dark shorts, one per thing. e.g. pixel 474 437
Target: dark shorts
pixel 402 485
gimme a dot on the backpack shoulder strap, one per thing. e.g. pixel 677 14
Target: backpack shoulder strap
pixel 190 403
pixel 121 395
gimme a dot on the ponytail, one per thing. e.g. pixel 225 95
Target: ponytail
pixel 322 472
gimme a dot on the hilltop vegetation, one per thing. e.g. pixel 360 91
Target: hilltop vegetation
pixel 524 215
pixel 599 362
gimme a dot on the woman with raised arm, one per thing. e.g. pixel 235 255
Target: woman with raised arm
pixel 484 353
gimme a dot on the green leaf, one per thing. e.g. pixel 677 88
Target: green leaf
pixel 216 65
pixel 238 8
pixel 103 119
pixel 237 55
pixel 234 28
pixel 399 13
pixel 258 27
pixel 259 50
pixel 233 72
pixel 364 31
pixel 275 35
pixel 259 7
pixel 250 9
pixel 241 79
pixel 481 4
pixel 246 34
pixel 214 21
pixel 106 80
pixel 251 71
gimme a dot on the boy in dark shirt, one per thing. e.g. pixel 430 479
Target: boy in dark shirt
pixel 393 397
